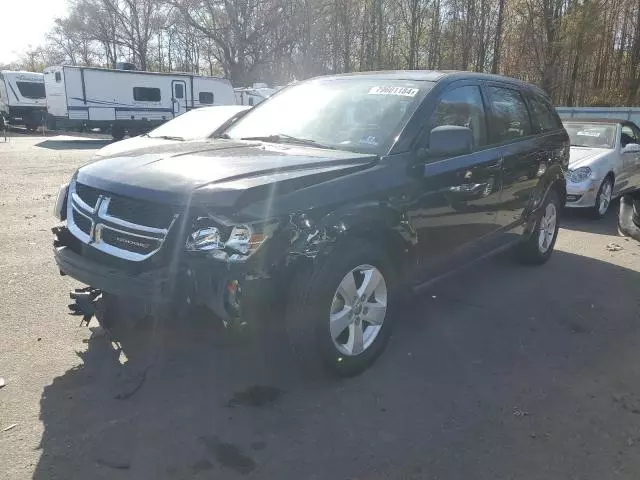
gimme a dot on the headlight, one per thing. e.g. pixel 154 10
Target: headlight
pixel 579 175
pixel 243 240
pixel 60 207
pixel 204 239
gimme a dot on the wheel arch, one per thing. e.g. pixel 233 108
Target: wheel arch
pixel 380 225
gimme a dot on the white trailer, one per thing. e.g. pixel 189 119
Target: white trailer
pixel 126 100
pixel 22 98
pixel 253 95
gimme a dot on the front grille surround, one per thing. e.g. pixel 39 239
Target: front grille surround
pixel 91 219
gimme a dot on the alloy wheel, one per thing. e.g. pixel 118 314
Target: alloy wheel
pixel 547 227
pixel 605 197
pixel 358 310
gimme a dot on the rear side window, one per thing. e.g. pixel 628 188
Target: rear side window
pixel 543 116
pixel 31 89
pixel 58 77
pixel 511 117
pixel 144 94
pixel 463 107
pixel 206 98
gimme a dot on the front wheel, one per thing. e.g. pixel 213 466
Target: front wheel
pixel 603 199
pixel 538 247
pixel 338 314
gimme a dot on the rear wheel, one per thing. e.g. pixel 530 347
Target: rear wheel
pixel 338 314
pixel 117 132
pixel 538 247
pixel 603 199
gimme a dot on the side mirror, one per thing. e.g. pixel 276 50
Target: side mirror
pixel 450 141
pixel 631 148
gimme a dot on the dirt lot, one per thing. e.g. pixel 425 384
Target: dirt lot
pixel 498 372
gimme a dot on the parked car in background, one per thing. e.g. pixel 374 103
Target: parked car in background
pixel 204 122
pixel 605 162
pixel 336 197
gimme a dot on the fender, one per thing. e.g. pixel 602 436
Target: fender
pixel 378 221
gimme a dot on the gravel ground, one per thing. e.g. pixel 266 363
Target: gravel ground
pixel 498 372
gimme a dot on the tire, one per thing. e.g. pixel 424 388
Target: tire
pixel 603 199
pixel 315 294
pixel 117 132
pixel 31 127
pixel 534 250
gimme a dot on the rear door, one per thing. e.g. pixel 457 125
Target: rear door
pixel 454 209
pixel 522 152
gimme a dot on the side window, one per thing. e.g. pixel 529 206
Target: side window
pixel 144 94
pixel 543 116
pixel 511 117
pixel 628 136
pixel 179 90
pixel 58 77
pixel 206 98
pixel 463 107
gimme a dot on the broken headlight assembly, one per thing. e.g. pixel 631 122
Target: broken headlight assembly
pixel 243 239
pixel 60 207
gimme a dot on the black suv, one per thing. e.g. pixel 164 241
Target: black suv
pixel 332 197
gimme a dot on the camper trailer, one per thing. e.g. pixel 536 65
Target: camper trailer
pixel 22 98
pixel 253 95
pixel 126 100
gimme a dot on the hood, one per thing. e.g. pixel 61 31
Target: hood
pixel 133 143
pixel 218 173
pixel 585 156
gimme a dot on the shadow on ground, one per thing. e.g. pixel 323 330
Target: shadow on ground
pixel 499 372
pixel 580 221
pixel 67 143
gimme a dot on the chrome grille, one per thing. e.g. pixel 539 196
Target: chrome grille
pixel 82 222
pixel 123 227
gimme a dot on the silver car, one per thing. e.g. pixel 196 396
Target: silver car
pixel 604 163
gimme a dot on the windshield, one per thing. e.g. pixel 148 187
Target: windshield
pixel 31 89
pixel 358 114
pixel 196 124
pixel 594 135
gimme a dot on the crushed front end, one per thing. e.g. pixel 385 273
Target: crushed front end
pixel 164 257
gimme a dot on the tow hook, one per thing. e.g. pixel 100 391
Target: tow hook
pixel 85 300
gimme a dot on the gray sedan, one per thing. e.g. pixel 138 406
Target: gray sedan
pixel 604 163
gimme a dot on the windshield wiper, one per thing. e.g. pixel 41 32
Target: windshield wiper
pixel 284 138
pixel 169 137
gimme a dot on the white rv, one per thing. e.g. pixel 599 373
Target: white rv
pixel 253 95
pixel 126 100
pixel 22 98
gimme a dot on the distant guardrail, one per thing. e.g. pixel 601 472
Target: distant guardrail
pixel 619 113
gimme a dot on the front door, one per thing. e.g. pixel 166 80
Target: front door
pixel 453 209
pixel 179 97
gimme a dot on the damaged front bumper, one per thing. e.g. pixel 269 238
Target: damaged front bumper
pixel 236 293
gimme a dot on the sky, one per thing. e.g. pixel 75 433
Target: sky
pixel 25 23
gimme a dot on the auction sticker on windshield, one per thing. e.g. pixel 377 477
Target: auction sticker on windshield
pixel 590 133
pixel 403 91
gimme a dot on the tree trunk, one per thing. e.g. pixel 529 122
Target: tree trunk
pixel 497 42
